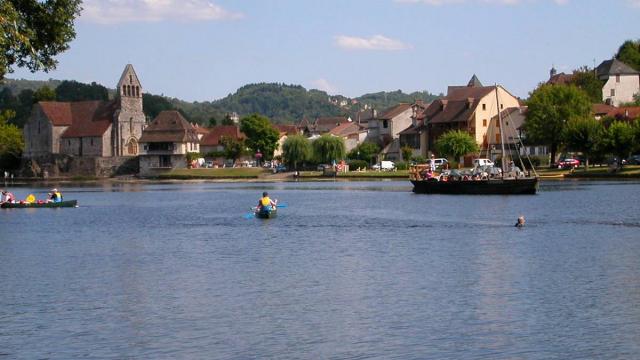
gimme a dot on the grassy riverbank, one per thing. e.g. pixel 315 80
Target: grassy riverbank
pixel 221 173
pixel 627 172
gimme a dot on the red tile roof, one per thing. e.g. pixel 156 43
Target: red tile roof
pixel 324 124
pixel 625 113
pixel 346 129
pixel 286 129
pixel 200 129
pixel 59 113
pixel 394 111
pixel 169 126
pixel 90 118
pixel 217 132
pixel 601 109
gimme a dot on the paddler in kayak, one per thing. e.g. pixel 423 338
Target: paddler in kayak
pixel 55 196
pixel 265 203
pixel 7 197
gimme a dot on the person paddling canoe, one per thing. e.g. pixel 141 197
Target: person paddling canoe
pixel 266 203
pixel 55 196
pixel 7 197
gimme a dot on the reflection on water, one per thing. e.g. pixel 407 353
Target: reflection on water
pixel 347 270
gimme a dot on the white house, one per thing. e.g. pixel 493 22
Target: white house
pixel 622 82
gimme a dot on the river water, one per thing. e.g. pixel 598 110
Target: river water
pixel 348 270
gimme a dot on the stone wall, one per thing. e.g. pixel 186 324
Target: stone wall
pixel 61 165
pixel 40 136
pixel 151 165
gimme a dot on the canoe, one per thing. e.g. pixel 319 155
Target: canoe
pixel 267 214
pixel 69 203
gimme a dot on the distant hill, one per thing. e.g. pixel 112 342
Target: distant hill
pixel 282 103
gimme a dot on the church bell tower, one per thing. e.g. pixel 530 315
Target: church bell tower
pixel 129 119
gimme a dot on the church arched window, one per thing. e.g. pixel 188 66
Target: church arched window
pixel 130 79
pixel 124 90
pixel 137 91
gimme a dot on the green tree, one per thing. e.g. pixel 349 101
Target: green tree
pixel 407 152
pixel 152 105
pixel 456 143
pixel 261 135
pixel 44 93
pixel 619 140
pixel 328 148
pixel 11 141
pixel 584 134
pixel 233 148
pixel 586 79
pixel 629 53
pixel 367 151
pixel 213 121
pixel 77 91
pixel 227 120
pixel 34 32
pixel 295 150
pixel 550 107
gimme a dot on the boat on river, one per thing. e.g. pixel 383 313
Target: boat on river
pixel 495 186
pixel 35 205
pixel 265 213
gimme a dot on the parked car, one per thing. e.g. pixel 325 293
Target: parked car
pixel 438 162
pixel 280 168
pixel 567 163
pixel 384 165
pixel 208 164
pixel 634 160
pixel 482 162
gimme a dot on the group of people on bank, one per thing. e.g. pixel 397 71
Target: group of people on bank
pixel 8 197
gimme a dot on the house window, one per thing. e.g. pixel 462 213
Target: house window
pixel 484 106
pixel 501 106
pixel 484 122
pixel 385 124
pixel 613 92
pixel 91 141
pixel 507 123
pixel 617 78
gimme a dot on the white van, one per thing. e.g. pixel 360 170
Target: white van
pixel 384 165
pixel 482 162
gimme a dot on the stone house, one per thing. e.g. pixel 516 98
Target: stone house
pixel 352 133
pixel 622 82
pixel 88 128
pixel 471 108
pixel 385 129
pixel 165 143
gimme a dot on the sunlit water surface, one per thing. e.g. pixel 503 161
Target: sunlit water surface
pixel 348 270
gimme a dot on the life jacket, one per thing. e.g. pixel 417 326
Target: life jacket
pixel 265 201
pixel 57 197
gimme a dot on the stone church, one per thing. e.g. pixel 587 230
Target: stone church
pixel 89 128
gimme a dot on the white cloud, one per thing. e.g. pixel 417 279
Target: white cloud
pixel 499 2
pixel 119 11
pixel 375 42
pixel 324 85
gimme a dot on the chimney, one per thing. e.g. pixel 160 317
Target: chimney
pixel 444 104
pixel 469 102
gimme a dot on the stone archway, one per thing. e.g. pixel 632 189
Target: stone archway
pixel 132 147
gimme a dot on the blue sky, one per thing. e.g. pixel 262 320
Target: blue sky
pixel 205 49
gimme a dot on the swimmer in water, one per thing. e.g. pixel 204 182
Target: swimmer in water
pixel 520 222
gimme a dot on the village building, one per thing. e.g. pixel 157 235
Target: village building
pixel 471 108
pixel 166 142
pixel 285 131
pixel 385 129
pixel 89 128
pixel 352 133
pixel 622 82
pixel 321 125
pixel 212 144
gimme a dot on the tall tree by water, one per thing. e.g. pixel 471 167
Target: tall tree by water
pixel 328 148
pixel 629 53
pixel 366 151
pixel 619 140
pixel 456 144
pixel 34 32
pixel 11 141
pixel 233 148
pixel 550 107
pixel 584 134
pixel 295 150
pixel 261 135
